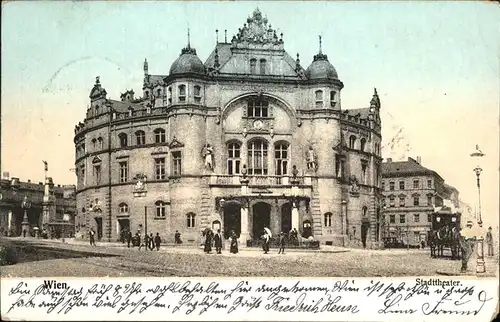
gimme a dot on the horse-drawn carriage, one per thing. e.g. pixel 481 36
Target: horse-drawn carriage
pixel 444 234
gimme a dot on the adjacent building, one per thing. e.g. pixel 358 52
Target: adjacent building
pixel 249 139
pixel 411 192
pixel 30 209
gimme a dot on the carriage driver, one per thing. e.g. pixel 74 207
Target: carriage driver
pixel 467 239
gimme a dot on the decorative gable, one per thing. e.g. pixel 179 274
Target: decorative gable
pixel 175 144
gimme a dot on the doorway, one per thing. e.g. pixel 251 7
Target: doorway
pixel 286 218
pixel 232 219
pixel 306 229
pixel 98 221
pixel 364 233
pixel 261 218
pixel 123 228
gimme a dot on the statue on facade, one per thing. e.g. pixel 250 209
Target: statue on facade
pixel 312 159
pixel 295 172
pixel 354 184
pixel 208 156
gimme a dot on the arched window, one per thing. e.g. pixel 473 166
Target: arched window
pixel 191 220
pixel 197 94
pixel 352 142
pixel 333 97
pixel 161 209
pixel 328 219
pixel 262 66
pixel 233 158
pixel 100 143
pixel 363 144
pixel 94 141
pixel 160 136
pixel 140 137
pixel 257 157
pixel 253 64
pixel 158 92
pixel 123 139
pixel 169 97
pixel 146 93
pixel 182 93
pixel 365 211
pixel 123 207
pixel 83 209
pixel 281 158
pixel 318 96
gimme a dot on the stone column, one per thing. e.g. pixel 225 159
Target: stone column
pixel 9 222
pixel 295 216
pixel 244 226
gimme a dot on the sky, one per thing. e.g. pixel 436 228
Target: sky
pixel 435 65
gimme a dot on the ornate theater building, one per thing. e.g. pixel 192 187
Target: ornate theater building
pixel 249 139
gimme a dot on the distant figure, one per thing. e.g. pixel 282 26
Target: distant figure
pixel 177 237
pixel 489 241
pixel 129 238
pixel 208 241
pixel 145 243
pixel 151 242
pixel 282 243
pixel 422 243
pixel 157 241
pixel 467 239
pixel 92 237
pixel 233 249
pixel 265 244
pixel 218 242
pixel 24 232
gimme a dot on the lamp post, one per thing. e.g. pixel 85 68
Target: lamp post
pixel 480 264
pixel 25 225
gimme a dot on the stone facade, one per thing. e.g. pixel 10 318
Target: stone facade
pixel 411 193
pixel 249 139
pixel 35 207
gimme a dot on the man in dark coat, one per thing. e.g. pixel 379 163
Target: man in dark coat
pixel 282 243
pixel 208 241
pixel 177 237
pixel 157 241
pixel 129 238
pixel 151 242
pixel 218 242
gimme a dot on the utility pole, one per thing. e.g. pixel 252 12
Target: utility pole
pixel 145 220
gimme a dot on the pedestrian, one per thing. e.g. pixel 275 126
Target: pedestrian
pixel 145 242
pixel 208 241
pixel 265 243
pixel 177 237
pixel 151 242
pixel 92 237
pixel 233 249
pixel 129 238
pixel 218 242
pixel 157 241
pixel 467 239
pixel 489 241
pixel 282 243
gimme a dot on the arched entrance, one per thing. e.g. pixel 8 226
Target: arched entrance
pixel 286 218
pixel 261 218
pixel 232 219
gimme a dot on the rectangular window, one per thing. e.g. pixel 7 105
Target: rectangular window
pixel 182 93
pixel 197 94
pixel 416 218
pixel 97 174
pixel 160 169
pixel 262 66
pixel 429 183
pixel 339 166
pixel 402 201
pixel 123 171
pixel 281 159
pixel 402 219
pixel 429 200
pixel 257 109
pixel 169 95
pixel 319 99
pixel 392 219
pixel 332 98
pixel 253 63
pixel 391 201
pixel 176 163
pixel 391 186
pixel 383 185
pixel 401 185
pixel 415 184
pixel 416 201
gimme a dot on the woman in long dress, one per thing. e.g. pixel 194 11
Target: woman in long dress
pixel 208 241
pixel 234 244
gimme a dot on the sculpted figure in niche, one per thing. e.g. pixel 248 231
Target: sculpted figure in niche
pixel 354 184
pixel 208 156
pixel 312 160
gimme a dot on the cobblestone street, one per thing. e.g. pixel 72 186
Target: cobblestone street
pixel 186 261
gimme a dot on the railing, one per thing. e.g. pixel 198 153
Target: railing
pixel 270 180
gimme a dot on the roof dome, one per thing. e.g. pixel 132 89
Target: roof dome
pixel 321 68
pixel 187 62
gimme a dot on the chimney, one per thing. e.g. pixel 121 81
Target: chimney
pixel 419 160
pixel 389 159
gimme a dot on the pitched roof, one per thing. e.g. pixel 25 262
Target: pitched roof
pixel 406 168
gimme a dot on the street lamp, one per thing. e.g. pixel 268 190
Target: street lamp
pixel 25 225
pixel 480 263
